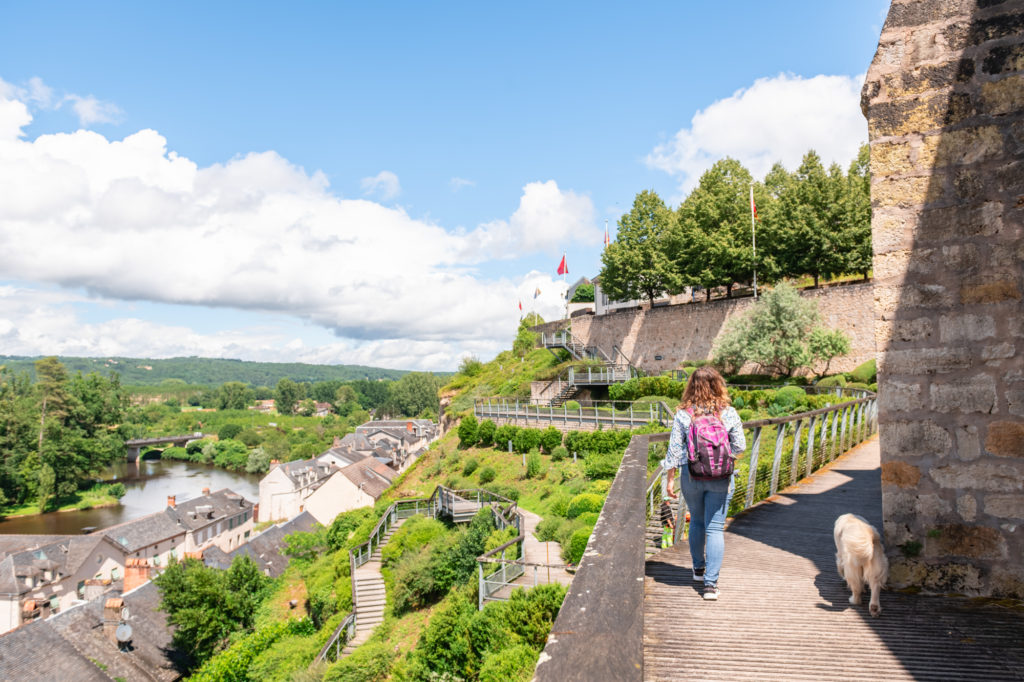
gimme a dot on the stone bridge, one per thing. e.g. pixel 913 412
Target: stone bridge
pixel 135 446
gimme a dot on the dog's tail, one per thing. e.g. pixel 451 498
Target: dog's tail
pixel 861 540
pixel 880 564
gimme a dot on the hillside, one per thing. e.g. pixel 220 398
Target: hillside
pixel 207 371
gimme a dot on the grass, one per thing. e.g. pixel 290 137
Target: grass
pixel 96 496
pixel 505 375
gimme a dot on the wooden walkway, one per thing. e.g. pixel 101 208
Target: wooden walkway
pixel 783 613
pixel 537 552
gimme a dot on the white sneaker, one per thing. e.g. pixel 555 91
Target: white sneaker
pixel 710 591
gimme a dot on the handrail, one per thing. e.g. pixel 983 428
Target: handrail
pixel 564 417
pixel 346 626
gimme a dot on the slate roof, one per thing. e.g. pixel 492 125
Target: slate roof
pixel 24 555
pixel 202 511
pixel 60 647
pixel 264 549
pixel 346 456
pixel 372 476
pixel 297 470
pixel 144 531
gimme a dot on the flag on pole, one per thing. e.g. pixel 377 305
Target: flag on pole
pixel 520 306
pixel 563 269
pixel 607 240
pixel 536 293
pixel 753 206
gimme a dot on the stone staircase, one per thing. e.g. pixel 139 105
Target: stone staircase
pixel 370 595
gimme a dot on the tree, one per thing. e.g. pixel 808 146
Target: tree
pixel 637 265
pixel 584 294
pixel 711 240
pixel 826 345
pixel 412 394
pixel 857 232
pixel 287 395
pixel 775 334
pixel 525 340
pixel 233 395
pixel 468 431
pixel 346 400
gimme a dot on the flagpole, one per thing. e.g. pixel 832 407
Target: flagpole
pixel 753 237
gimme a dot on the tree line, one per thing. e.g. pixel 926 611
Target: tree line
pixel 813 221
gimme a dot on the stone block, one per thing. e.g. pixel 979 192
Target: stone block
pixel 917 329
pixel 998 352
pixel 992 28
pixel 934 508
pixel 917 12
pixel 975 394
pixel 1004 96
pixel 1015 401
pixel 889 232
pixel 960 328
pixel 934 42
pixel 906 192
pixel 1001 478
pixel 890 158
pixel 989 290
pixel 914 438
pixel 889 299
pixel 922 79
pixel 1008 581
pixel 899 396
pixel 967 507
pixel 1005 506
pixel 968 445
pixel 923 361
pixel 900 474
pixel 959 147
pixel 939 225
pixel 1003 59
pixel 959 540
pixel 1006 439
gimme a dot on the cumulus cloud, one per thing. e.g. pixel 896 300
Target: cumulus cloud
pixel 383 185
pixel 775 119
pixel 131 220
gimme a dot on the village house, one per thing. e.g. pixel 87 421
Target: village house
pixel 407 438
pixel 45 574
pixel 283 491
pixel 357 485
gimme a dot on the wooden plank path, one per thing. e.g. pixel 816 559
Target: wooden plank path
pixel 783 612
pixel 537 552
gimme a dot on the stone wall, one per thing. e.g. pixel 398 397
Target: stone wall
pixel 944 99
pixel 662 338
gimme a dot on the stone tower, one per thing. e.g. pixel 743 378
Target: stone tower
pixel 944 98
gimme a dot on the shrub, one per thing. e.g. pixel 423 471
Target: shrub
pixel 873 388
pixel 584 502
pixel 486 475
pixel 550 438
pixel 228 431
pixel 116 490
pixel 370 662
pixel 588 518
pixel 414 534
pixel 857 384
pixel 745 415
pixel 503 434
pixel 548 529
pixel 577 545
pixel 526 440
pixel 471 465
pixel 865 373
pixel 511 492
pixel 533 464
pixel 560 505
pixel 834 381
pixel 572 405
pixel 470 366
pixel 346 524
pixel 600 487
pixel 467 431
pixel 485 433
pixel 514 664
pixel 250 437
pixel 559 453
pixel 600 465
pixel 790 394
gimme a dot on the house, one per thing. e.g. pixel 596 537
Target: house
pixel 81 643
pixel 41 575
pixel 223 518
pixel 357 485
pixel 265 549
pixel 402 439
pixel 604 305
pixel 283 491
pixel 322 409
pixel 264 406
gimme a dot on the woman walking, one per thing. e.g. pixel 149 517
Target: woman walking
pixel 705 414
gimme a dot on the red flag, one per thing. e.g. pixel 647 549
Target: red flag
pixel 520 306
pixel 753 206
pixel 606 239
pixel 563 269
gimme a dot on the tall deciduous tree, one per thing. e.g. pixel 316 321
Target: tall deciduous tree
pixel 857 232
pixel 414 394
pixel 287 395
pixel 637 264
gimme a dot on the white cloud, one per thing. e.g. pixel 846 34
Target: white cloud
pixel 130 220
pixel 775 119
pixel 383 185
pixel 38 94
pixel 91 110
pixel 548 219
pixel 457 184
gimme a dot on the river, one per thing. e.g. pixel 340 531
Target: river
pixel 148 485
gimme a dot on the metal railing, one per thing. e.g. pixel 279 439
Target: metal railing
pixel 345 631
pixel 600 376
pixel 603 413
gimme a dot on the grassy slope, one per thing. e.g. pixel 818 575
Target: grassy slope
pixel 505 375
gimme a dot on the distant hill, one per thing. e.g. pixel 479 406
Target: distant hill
pixel 207 371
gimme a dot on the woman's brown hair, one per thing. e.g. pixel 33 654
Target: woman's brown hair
pixel 705 391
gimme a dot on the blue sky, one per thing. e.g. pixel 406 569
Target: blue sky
pixel 374 183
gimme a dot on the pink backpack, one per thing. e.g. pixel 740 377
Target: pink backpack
pixel 710 456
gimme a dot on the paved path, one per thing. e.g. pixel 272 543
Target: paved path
pixel 783 613
pixel 370 595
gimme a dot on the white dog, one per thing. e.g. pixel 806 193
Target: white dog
pixel 860 558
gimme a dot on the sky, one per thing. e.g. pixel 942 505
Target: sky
pixel 374 183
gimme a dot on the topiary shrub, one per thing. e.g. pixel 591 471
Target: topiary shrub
pixel 857 384
pixel 467 431
pixel 550 438
pixel 504 434
pixel 865 373
pixel 831 382
pixel 471 465
pixel 559 453
pixel 588 518
pixel 572 405
pixel 577 545
pixel 584 502
pixel 486 475
pixel 485 433
pixel 526 440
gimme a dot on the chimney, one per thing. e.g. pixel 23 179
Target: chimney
pixel 206 492
pixel 112 617
pixel 408 426
pixel 337 442
pixel 274 463
pixel 93 589
pixel 136 572
pixel 171 500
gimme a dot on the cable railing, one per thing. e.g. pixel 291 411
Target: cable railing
pixel 604 414
pixel 608 588
pixel 345 631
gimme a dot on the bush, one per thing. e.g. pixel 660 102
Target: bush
pixel 548 529
pixel 370 662
pixel 526 440
pixel 228 431
pixel 873 388
pixel 116 490
pixel 858 384
pixel 865 373
pixel 485 433
pixel 511 492
pixel 572 405
pixel 503 434
pixel 250 437
pixel 467 431
pixel 550 438
pixel 487 474
pixel 471 465
pixel 560 505
pixel 600 487
pixel 831 382
pixel 584 502
pixel 588 518
pixel 577 545
pixel 745 414
pixel 559 453
pixel 533 464
pixel 416 533
pixel 600 465
pixel 514 664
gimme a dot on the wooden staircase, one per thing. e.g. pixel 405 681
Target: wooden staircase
pixel 371 597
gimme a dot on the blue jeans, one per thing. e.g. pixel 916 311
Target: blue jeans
pixel 708 502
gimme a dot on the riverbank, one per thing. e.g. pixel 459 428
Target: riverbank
pixel 99 495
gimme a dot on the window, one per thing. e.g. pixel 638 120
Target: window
pixel 114 573
pixel 156 561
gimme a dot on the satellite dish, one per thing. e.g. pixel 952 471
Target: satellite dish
pixel 124 613
pixel 123 633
